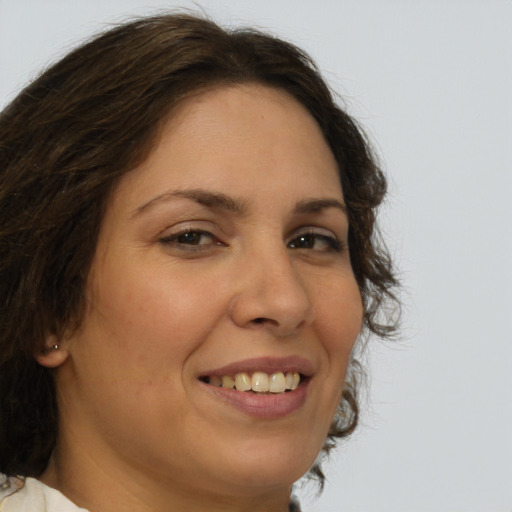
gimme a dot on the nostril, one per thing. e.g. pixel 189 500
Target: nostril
pixel 261 320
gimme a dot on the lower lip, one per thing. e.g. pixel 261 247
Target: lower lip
pixel 262 405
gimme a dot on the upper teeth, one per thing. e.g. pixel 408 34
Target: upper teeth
pixel 260 382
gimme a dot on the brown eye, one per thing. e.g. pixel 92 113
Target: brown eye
pixel 190 237
pixel 303 242
pixel 315 241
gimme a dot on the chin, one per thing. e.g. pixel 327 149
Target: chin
pixel 272 465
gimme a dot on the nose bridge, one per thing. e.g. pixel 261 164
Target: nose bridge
pixel 272 292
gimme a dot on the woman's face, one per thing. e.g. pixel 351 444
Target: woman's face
pixel 222 257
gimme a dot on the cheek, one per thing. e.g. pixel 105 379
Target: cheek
pixel 138 336
pixel 339 312
pixel 155 318
pixel 339 321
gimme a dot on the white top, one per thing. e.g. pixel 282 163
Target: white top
pixel 30 495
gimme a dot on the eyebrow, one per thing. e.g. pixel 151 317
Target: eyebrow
pixel 214 200
pixel 317 205
pixel 218 200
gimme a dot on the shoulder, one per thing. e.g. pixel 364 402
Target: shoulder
pixel 29 495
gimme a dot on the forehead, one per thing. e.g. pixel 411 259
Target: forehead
pixel 246 139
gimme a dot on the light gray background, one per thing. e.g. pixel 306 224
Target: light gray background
pixel 432 82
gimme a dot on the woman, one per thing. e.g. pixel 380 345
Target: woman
pixel 188 257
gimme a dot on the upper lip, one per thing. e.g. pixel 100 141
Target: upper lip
pixel 265 364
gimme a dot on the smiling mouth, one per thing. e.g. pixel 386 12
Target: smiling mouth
pixel 257 382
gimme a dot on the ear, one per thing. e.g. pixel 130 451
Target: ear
pixel 53 355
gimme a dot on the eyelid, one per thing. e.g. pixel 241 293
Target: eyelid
pixel 336 243
pixel 315 230
pixel 177 234
pixel 168 238
pixel 179 228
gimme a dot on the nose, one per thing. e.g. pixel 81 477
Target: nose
pixel 271 294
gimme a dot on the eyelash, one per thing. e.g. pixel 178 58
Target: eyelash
pixel 173 240
pixel 332 242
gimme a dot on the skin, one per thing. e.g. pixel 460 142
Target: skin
pixel 138 430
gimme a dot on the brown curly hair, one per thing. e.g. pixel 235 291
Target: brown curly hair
pixel 66 140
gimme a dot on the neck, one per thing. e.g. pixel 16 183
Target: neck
pixel 110 489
